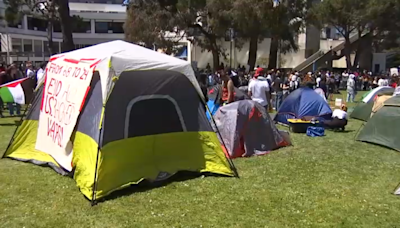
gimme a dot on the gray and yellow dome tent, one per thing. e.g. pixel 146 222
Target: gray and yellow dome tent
pixel 143 119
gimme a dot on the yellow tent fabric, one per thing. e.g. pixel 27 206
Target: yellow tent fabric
pixel 379 103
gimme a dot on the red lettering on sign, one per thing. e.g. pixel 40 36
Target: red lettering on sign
pixel 55 131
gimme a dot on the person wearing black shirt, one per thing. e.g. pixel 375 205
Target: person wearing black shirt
pixel 277 85
pixel 330 83
pixel 323 86
pixel 202 79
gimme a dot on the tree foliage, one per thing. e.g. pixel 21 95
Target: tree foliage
pixel 207 22
pixel 164 23
pixel 372 19
pixel 50 10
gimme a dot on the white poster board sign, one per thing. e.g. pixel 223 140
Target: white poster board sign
pixel 66 86
pixel 394 71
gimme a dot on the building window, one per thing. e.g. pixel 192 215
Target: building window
pixel 28 46
pixel 38 48
pixel 82 27
pixel 116 27
pixel 109 27
pixel 328 32
pixel 37 24
pixel 101 27
pixel 16 45
pixel 16 24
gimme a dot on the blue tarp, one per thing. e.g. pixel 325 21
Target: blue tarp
pixel 303 102
pixel 183 54
pixel 213 107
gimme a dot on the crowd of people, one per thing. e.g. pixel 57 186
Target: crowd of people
pixel 13 72
pixel 271 87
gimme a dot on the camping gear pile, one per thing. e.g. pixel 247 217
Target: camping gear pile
pixel 301 126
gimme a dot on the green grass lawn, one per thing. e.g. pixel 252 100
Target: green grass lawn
pixel 318 182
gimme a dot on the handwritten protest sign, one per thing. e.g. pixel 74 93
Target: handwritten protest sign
pixel 394 71
pixel 66 86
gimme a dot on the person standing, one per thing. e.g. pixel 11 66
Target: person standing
pixel 323 86
pixel 383 82
pixel 228 89
pixel 13 73
pixel 331 87
pixel 40 72
pixel 318 81
pixel 277 85
pixel 351 89
pixel 29 73
pixel 259 90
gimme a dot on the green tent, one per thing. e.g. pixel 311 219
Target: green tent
pixel 362 111
pixel 384 126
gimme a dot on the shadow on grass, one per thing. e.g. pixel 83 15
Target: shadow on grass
pixel 147 185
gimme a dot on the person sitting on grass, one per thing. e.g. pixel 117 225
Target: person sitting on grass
pixel 339 119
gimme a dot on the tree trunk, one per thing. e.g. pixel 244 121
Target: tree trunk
pixel 347 52
pixel 253 46
pixel 359 52
pixel 214 51
pixel 50 37
pixel 215 55
pixel 273 53
pixel 365 60
pixel 66 25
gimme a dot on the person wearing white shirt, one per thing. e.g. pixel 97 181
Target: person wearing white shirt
pixel 339 119
pixel 258 90
pixel 318 80
pixel 383 82
pixel 386 82
pixel 340 114
pixel 29 70
pixel 40 73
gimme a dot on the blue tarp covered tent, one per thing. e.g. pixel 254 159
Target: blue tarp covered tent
pixel 303 102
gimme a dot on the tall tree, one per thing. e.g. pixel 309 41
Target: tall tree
pixel 286 21
pixel 164 21
pixel 67 22
pixel 148 23
pixel 250 20
pixel 367 18
pixel 256 20
pixel 51 11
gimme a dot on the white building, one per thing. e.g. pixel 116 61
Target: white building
pixel 27 40
pixel 103 21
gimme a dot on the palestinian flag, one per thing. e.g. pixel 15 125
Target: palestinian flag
pixel 18 91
